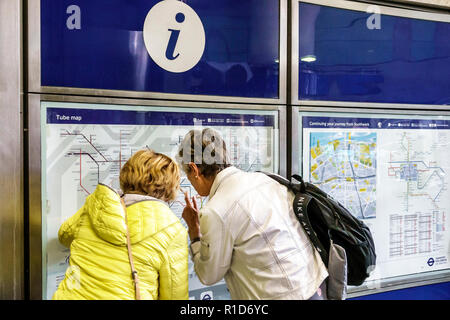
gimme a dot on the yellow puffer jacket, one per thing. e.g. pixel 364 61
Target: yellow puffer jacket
pixel 99 266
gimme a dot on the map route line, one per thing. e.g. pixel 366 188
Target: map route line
pixel 84 137
pixel 344 178
pixel 81 185
pixel 354 181
pixel 428 168
pixel 418 161
pixel 96 163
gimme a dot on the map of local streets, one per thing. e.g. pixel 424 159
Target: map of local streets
pixel 343 164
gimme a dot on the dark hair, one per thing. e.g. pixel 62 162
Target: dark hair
pixel 206 149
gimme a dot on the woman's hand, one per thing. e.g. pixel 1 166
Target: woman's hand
pixel 190 215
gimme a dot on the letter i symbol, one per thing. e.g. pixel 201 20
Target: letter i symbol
pixel 174 38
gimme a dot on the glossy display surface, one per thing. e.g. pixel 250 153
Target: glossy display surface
pixel 100 45
pixel 389 171
pixel 84 144
pixel 347 55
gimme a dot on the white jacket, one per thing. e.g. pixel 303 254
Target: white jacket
pixel 251 237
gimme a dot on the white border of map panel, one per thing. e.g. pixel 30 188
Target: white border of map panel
pixel 344 162
pixel 358 6
pixel 423 230
pixel 103 152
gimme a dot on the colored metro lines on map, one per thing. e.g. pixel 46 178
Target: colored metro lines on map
pixel 391 172
pixel 416 166
pixel 92 148
pixel 343 164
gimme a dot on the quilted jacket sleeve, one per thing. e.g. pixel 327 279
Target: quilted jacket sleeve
pixel 68 229
pixel 173 277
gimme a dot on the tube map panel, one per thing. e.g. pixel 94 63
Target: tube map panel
pixel 84 145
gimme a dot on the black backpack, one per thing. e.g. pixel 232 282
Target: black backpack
pixel 325 220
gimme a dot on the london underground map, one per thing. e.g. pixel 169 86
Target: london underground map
pixel 419 169
pixel 88 144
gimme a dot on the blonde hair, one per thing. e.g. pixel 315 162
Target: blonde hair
pixel 151 173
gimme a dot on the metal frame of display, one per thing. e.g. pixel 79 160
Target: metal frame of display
pixel 35 165
pixel 355 6
pixel 387 284
pixel 34 66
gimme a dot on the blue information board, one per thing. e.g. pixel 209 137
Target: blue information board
pixel 156 118
pixel 346 55
pixel 99 44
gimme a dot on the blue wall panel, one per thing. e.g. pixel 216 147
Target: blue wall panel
pixel 439 291
pixel 241 56
pixel 404 61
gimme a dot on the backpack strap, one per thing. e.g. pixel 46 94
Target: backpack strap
pixel 283 181
pixel 302 183
pixel 300 206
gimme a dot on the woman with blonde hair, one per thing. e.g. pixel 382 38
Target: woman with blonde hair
pixel 107 244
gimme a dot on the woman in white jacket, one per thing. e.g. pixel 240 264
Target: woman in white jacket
pixel 247 232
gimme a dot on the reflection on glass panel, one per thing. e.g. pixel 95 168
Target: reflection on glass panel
pixel 347 56
pixel 107 51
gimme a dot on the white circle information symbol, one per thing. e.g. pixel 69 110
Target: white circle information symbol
pixel 174 36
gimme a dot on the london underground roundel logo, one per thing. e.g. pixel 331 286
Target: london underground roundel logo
pixel 174 36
